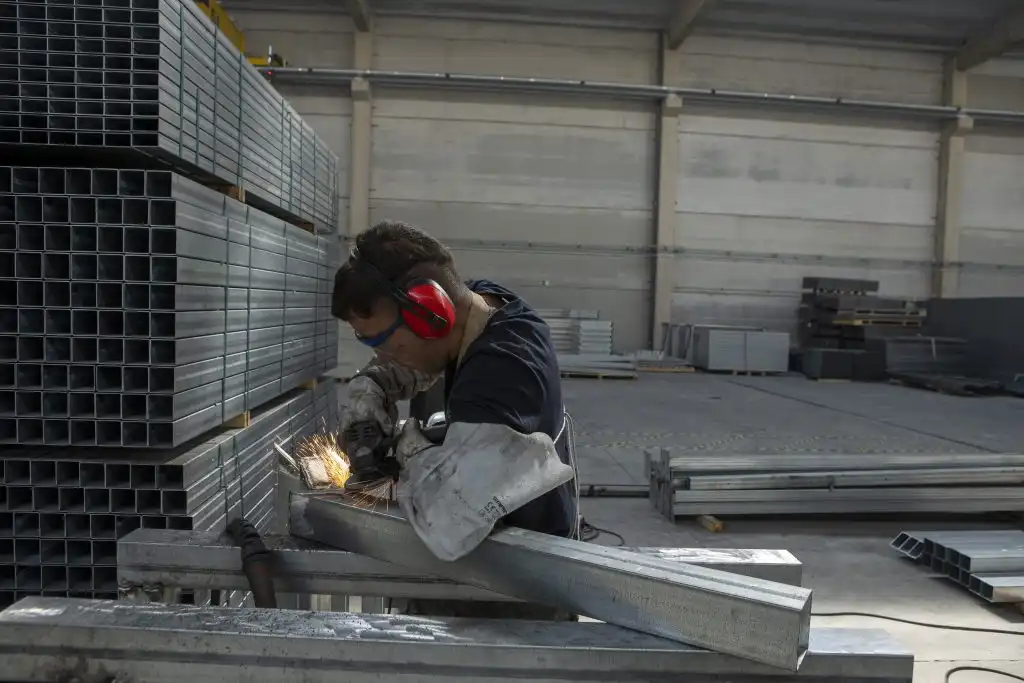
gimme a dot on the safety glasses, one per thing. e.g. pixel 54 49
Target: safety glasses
pixel 380 338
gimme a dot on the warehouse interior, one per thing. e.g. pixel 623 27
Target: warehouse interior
pixel 778 244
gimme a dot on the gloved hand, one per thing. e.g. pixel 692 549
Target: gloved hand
pixel 367 402
pixel 410 441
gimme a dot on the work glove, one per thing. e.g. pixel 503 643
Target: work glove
pixel 410 441
pixel 367 402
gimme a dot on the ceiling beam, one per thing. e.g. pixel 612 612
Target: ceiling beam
pixel 1002 36
pixel 362 15
pixel 684 19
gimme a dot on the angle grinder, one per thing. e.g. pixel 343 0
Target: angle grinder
pixel 370 451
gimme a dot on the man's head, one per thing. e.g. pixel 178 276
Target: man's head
pixel 368 293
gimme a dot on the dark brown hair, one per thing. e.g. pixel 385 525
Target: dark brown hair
pixel 397 251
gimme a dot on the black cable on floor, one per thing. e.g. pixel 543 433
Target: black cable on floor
pixel 982 669
pixel 589 533
pixel 926 624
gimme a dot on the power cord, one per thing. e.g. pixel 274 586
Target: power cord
pixel 589 533
pixel 982 669
pixel 926 624
pixel 945 627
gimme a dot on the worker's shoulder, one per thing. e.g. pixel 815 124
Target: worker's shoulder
pixel 515 336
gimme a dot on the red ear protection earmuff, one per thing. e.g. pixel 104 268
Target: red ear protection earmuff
pixel 426 308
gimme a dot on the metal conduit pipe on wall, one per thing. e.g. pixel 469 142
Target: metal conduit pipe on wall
pixel 622 91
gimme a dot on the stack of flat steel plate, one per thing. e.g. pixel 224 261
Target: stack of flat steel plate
pixel 62 511
pixel 140 308
pixel 832 483
pixel 155 78
pixel 988 563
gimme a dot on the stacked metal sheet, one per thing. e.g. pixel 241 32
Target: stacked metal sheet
pixel 937 363
pixel 62 511
pixel 737 350
pixel 660 361
pixel 155 78
pixel 844 324
pixel 991 327
pixel 599 366
pixel 593 337
pixel 988 563
pixel 827 483
pixel 564 323
pixel 584 344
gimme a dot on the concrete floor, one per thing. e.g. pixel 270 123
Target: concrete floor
pixel 847 563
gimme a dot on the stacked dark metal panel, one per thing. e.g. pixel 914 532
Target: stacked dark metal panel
pixel 843 325
pixel 156 80
pixel 988 563
pixel 994 334
pixel 142 309
pixel 62 511
pixel 832 483
pixel 936 363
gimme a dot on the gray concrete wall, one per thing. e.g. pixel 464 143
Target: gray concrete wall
pixel 992 209
pixel 555 195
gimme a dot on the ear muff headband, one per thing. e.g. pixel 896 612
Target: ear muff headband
pixel 426 308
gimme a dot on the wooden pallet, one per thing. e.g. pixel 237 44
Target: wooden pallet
pixel 683 369
pixel 239 194
pixel 244 420
pixel 877 322
pixel 594 375
pixel 743 373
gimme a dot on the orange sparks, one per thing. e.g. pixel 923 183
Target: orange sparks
pixel 325 466
pixel 325 449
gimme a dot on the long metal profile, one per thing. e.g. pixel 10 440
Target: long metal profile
pixel 204 560
pixel 865 478
pixel 827 462
pixel 996 588
pixel 807 501
pixel 937 543
pixel 983 557
pixel 759 620
pixel 707 96
pixel 909 543
pixel 45 639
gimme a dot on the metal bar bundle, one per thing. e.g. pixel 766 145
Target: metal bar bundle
pixel 62 512
pixel 770 483
pixel 205 560
pixel 139 308
pixel 564 325
pixel 156 79
pixel 43 639
pixel 926 356
pixel 988 563
pixel 601 366
pixel 751 618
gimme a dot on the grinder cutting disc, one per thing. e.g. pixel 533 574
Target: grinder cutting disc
pixel 366 480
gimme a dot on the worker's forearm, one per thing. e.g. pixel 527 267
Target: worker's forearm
pixel 398 382
pixel 454 493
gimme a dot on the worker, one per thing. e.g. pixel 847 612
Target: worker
pixel 504 459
